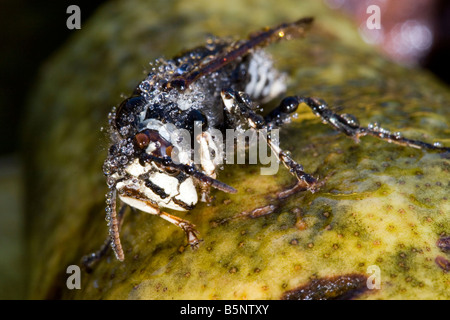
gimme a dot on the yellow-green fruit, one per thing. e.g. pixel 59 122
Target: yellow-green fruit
pixel 380 205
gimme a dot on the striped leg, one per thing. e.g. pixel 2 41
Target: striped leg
pixel 90 260
pixel 238 107
pixel 139 201
pixel 349 125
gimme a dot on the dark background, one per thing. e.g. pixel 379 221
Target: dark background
pixel 30 31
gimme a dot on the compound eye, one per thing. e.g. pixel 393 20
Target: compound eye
pixel 160 146
pixel 127 110
pixel 142 140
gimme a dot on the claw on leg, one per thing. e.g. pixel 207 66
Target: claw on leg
pixel 192 234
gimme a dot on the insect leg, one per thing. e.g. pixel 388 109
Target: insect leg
pixel 191 233
pixel 90 260
pixel 349 125
pixel 206 142
pixel 282 113
pixel 114 226
pixel 140 201
pixel 237 105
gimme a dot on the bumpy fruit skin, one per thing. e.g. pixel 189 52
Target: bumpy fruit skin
pixel 381 205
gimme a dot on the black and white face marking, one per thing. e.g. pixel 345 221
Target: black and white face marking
pixel 155 186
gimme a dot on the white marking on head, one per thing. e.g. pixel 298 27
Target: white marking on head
pixel 188 193
pixel 168 183
pixel 135 168
pixel 164 129
pixel 185 192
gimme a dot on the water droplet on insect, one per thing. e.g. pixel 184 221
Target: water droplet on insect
pixel 110 182
pixel 124 131
pixel 123 160
pixel 144 86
